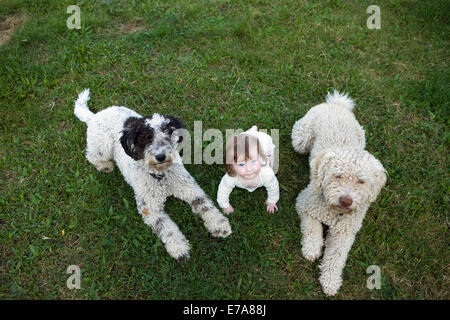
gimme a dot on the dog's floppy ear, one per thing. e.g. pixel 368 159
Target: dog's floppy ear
pixel 128 138
pixel 379 178
pixel 176 128
pixel 318 165
pixel 175 123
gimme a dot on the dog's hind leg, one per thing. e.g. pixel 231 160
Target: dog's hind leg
pixel 99 150
pixel 303 134
pixel 154 216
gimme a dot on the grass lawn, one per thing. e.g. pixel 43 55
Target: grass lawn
pixel 230 64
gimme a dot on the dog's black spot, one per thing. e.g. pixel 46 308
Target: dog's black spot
pixel 141 204
pixel 172 125
pixel 197 205
pixel 158 226
pixel 198 201
pixel 157 176
pixel 217 232
pixel 205 209
pixel 183 258
pixel 107 170
pixel 136 135
pixel 201 205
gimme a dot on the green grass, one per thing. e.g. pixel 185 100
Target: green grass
pixel 230 64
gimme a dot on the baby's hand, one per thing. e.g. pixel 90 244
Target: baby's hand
pixel 228 210
pixel 271 207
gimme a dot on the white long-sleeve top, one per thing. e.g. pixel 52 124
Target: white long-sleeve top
pixel 267 179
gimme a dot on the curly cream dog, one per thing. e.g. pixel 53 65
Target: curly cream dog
pixel 145 149
pixel 345 179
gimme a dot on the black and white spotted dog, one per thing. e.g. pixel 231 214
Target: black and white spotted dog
pixel 145 149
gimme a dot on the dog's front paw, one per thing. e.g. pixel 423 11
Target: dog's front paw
pixel 179 250
pixel 311 255
pixel 219 228
pixel 311 251
pixel 183 258
pixel 330 283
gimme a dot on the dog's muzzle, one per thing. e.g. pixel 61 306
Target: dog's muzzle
pixel 160 162
pixel 344 204
pixel 340 209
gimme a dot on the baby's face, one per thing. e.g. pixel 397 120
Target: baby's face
pixel 248 170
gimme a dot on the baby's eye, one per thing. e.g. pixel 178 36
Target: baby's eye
pixel 241 164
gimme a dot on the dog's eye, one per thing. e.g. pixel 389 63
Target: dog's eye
pixel 338 176
pixel 361 181
pixel 175 138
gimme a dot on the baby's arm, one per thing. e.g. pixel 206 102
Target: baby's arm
pixel 223 194
pixel 273 190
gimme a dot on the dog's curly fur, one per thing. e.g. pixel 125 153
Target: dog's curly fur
pixel 345 179
pixel 145 149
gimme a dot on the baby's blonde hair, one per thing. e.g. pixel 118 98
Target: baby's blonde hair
pixel 239 148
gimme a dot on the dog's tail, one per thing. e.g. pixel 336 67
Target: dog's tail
pixel 340 99
pixel 81 108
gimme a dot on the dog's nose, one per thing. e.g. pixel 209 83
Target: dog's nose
pixel 345 201
pixel 160 157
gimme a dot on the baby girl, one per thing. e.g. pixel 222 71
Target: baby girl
pixel 249 159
